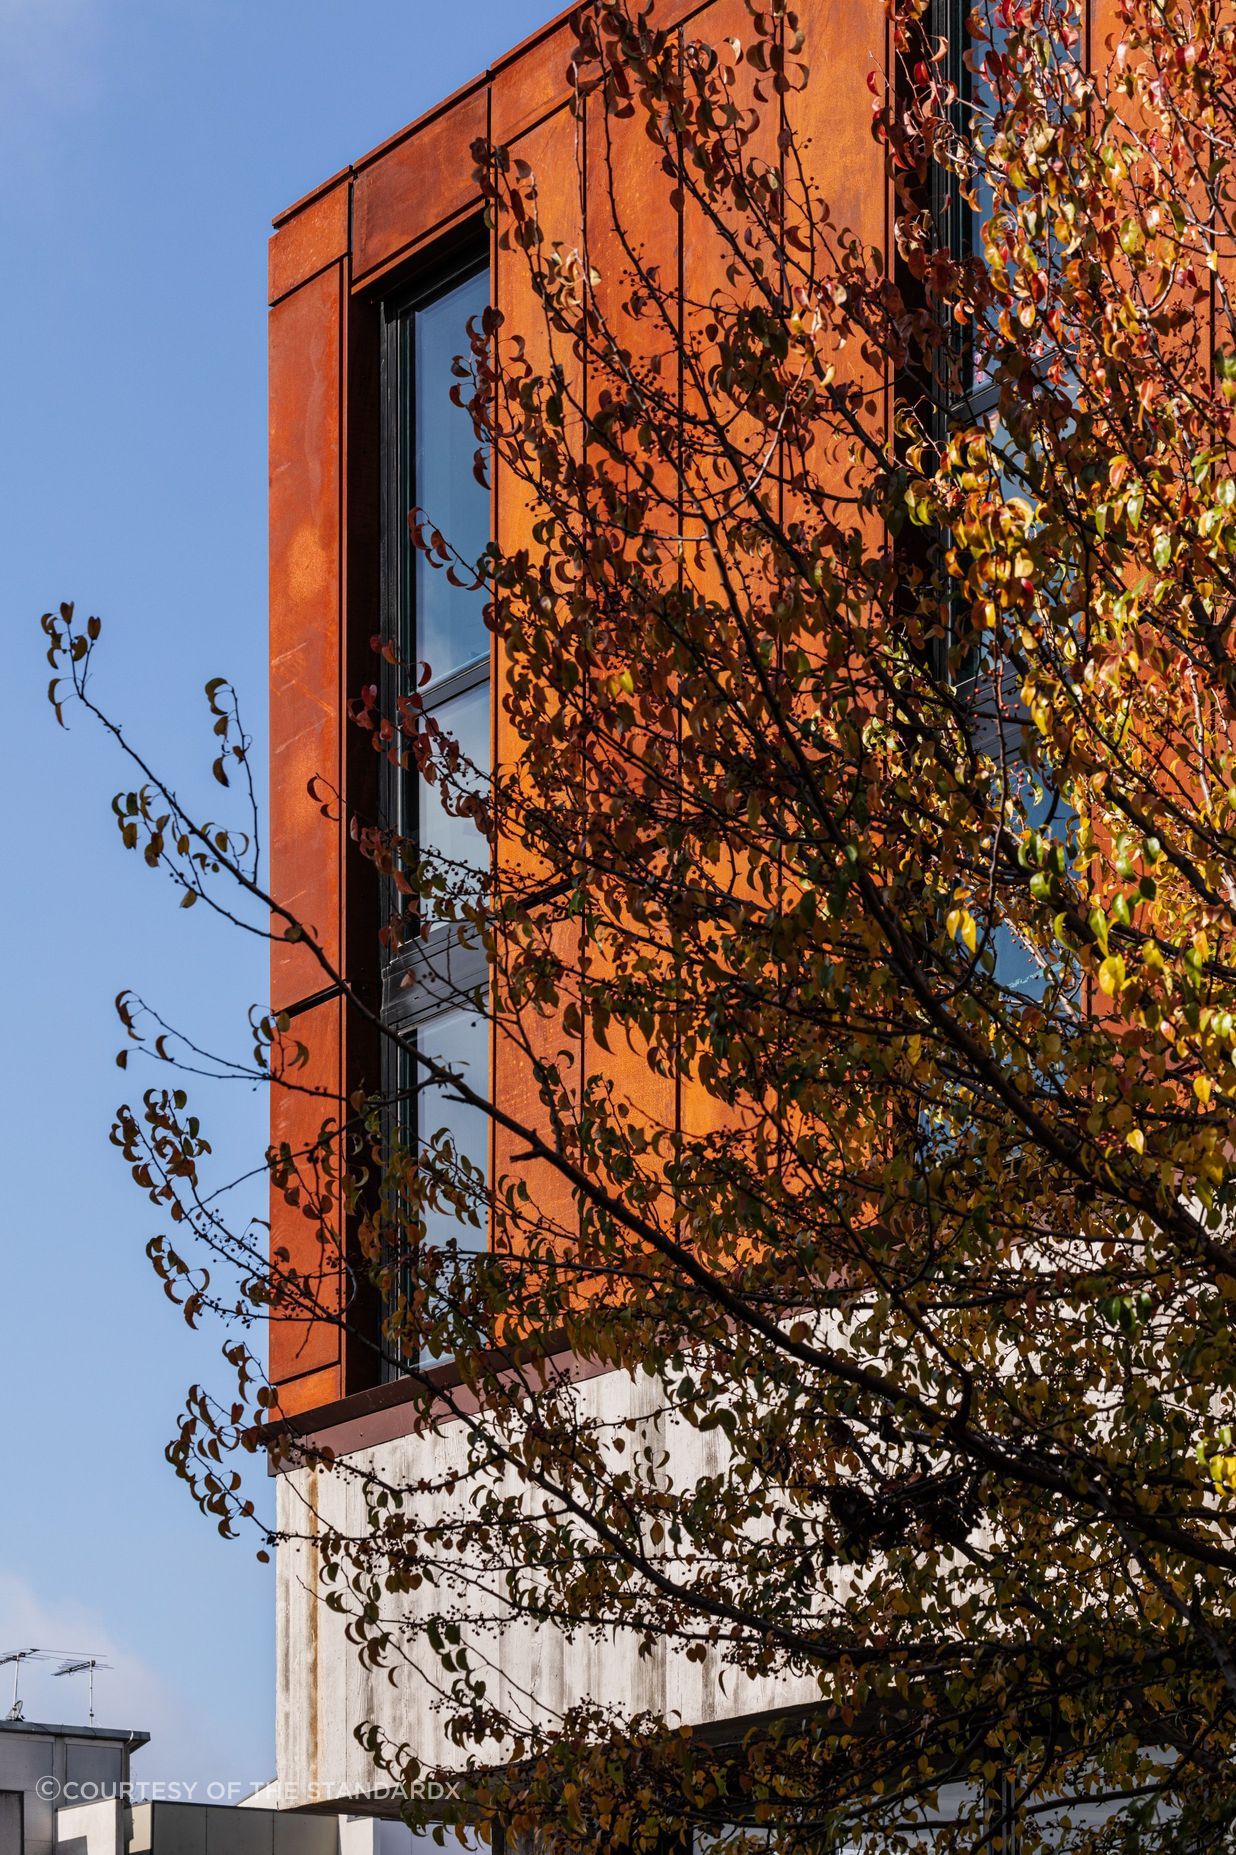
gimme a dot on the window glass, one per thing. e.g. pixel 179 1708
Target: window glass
pixel 442 834
pixel 985 112
pixel 449 626
pixel 1016 966
pixel 458 1039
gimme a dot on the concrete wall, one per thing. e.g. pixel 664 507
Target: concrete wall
pixel 324 1692
pixel 92 1828
pixel 368 1835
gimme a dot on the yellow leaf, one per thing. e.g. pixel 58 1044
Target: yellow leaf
pixel 1111 974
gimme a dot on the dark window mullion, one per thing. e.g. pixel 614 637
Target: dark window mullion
pixel 459 683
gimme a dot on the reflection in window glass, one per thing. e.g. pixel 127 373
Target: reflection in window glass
pixel 440 623
pixel 459 1039
pixel 456 840
pixel 1016 968
pixel 982 115
pixel 985 116
pixel 448 622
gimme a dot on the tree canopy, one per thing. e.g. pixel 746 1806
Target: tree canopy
pixel 863 911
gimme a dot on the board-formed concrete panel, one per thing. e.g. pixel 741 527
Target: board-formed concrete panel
pixel 324 1692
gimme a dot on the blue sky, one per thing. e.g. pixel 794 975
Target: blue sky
pixel 144 146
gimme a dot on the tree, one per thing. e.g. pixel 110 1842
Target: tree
pixel 870 664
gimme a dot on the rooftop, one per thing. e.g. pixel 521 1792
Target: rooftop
pixel 123 1733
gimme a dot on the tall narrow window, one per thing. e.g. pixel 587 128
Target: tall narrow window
pixel 966 397
pixel 968 394
pixel 435 985
pixel 430 1112
pixel 435 620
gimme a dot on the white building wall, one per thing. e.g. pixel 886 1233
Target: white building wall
pixel 324 1692
pixel 92 1828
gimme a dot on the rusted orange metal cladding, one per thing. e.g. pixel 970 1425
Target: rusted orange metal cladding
pixel 331 256
pixel 547 142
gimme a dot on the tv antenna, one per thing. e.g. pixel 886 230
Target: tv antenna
pixel 83 1665
pixel 16 1657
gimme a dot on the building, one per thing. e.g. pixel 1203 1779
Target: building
pixel 372 277
pixel 113 1827
pixel 39 1765
pixel 70 1790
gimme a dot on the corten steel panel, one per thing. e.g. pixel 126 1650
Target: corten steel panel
pixel 533 84
pixel 1102 34
pixel 1187 352
pixel 300 1344
pixel 1195 342
pixel 308 240
pixel 530 82
pixel 549 149
pixel 704 260
pixel 310 1392
pixel 306 720
pixel 420 183
pixel 706 249
pixel 707 252
pixel 844 172
pixel 633 227
pixel 831 119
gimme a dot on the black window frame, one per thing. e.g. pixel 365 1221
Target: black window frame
pixel 433 974
pixel 468 259
pixel 948 20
